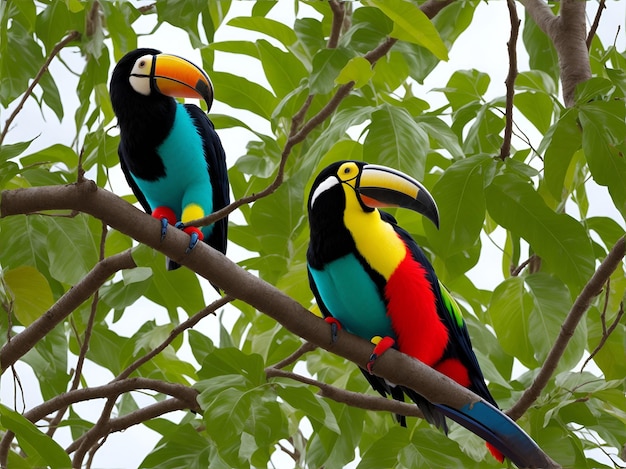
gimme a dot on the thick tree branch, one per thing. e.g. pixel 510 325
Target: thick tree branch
pixel 580 306
pixel 237 282
pixel 72 36
pixel 568 34
pixel 72 299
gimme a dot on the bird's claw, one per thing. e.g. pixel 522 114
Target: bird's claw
pixel 382 344
pixel 335 326
pixel 192 242
pixel 194 232
pixel 167 216
pixel 164 224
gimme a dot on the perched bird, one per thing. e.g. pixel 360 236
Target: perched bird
pixel 169 152
pixel 370 277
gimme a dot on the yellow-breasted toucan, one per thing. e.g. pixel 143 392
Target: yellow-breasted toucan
pixel 169 152
pixel 370 276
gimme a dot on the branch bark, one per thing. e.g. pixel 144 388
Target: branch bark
pixel 235 281
pixel 568 34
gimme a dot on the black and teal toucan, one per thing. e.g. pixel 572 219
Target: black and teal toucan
pixel 371 277
pixel 169 152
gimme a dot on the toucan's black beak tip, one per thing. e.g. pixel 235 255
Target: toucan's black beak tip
pixel 206 92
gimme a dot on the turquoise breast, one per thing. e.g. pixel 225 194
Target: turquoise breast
pixel 353 298
pixel 187 177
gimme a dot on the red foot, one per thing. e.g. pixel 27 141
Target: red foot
pixel 194 229
pixel 335 326
pixel 164 212
pixel 382 345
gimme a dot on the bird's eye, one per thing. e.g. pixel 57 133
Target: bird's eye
pixel 346 171
pixel 142 64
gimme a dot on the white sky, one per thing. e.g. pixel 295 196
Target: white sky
pixel 482 46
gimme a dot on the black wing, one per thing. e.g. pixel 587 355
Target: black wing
pixel 121 151
pixel 216 161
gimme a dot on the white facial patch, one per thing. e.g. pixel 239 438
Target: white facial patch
pixel 324 186
pixel 140 75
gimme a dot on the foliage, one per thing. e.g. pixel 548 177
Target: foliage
pixel 537 206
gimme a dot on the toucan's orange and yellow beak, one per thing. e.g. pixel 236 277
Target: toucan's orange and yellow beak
pixel 172 76
pixel 380 186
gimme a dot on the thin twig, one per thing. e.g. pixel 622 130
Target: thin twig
pixel 605 334
pixel 595 24
pixel 183 326
pixel 304 348
pixel 353 399
pixel 339 11
pixel 73 35
pixel 505 150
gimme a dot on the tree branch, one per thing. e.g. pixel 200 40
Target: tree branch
pixel 568 34
pixel 111 390
pixel 73 35
pixel 72 299
pixel 183 326
pixel 580 306
pixel 505 150
pixel 595 24
pixel 239 283
pixel 354 399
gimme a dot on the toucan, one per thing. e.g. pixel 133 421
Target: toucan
pixel 170 153
pixel 369 276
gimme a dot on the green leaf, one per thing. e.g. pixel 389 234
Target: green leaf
pixel 412 25
pixel 313 407
pixel 358 70
pixel 51 95
pixel 557 238
pixel 184 447
pixel 561 141
pixel 283 69
pixel 465 87
pixel 56 153
pixel 603 137
pixel 460 196
pixel 22 282
pixel 510 310
pixel 552 302
pixel 12 150
pixel 17 69
pixel 394 139
pixel 241 93
pixel 268 26
pixel 35 443
pixel 536 107
pixel 541 51
pixel 72 249
pixel 327 64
